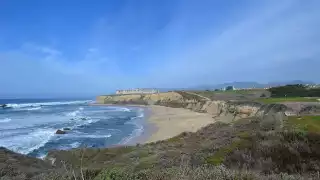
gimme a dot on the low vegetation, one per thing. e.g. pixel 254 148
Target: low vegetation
pixel 271 146
pixel 244 149
pixel 287 99
pixel 304 123
pixel 297 90
pixel 234 94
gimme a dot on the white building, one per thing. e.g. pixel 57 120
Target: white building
pixel 137 91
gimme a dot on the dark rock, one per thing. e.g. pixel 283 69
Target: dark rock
pixel 3 106
pixel 66 129
pixel 60 132
pixel 83 118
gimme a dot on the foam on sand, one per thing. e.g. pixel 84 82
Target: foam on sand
pixel 136 121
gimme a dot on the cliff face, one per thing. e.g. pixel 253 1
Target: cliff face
pixel 140 99
pixel 237 109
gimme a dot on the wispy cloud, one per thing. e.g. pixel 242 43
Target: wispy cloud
pixel 277 34
pixel 259 41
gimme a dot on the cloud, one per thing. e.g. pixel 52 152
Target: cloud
pixel 261 41
pixel 31 47
pixel 279 33
pixel 40 69
pixel 93 50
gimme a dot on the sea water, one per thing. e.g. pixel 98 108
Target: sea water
pixel 29 126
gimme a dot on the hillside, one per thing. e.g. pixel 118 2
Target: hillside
pixel 261 141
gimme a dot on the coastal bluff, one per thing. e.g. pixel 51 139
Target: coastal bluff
pixel 181 99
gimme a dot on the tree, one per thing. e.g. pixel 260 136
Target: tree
pixel 228 88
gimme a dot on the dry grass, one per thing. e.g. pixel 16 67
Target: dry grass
pixel 245 149
pixel 268 147
pixel 289 99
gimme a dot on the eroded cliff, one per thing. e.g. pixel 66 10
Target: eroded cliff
pixel 181 99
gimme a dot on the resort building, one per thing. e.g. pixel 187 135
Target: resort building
pixel 137 91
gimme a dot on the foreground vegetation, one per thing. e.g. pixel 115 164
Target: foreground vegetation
pixel 271 147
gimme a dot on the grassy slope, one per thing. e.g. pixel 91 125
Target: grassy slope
pixel 234 94
pixel 289 99
pixel 199 155
pixel 305 123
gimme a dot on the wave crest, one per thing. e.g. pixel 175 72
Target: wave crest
pixel 26 143
pixel 5 120
pixel 34 105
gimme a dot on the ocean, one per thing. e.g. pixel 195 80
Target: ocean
pixel 28 126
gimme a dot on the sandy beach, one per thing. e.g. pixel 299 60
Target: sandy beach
pixel 165 122
pixel 170 122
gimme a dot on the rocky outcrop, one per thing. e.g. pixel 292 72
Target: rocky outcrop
pixel 60 132
pixel 139 98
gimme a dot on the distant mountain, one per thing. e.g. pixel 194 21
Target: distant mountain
pixel 288 82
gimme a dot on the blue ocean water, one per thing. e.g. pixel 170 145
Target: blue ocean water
pixel 28 126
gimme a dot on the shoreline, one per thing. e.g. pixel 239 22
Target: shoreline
pixel 148 128
pixel 170 122
pixel 161 123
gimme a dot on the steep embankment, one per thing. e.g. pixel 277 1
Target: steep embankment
pixel 250 148
pixel 198 103
pixel 139 99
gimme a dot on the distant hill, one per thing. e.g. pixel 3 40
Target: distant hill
pixel 289 83
pixel 249 85
pixel 244 84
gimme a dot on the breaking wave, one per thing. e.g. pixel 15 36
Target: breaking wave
pixel 86 135
pixel 33 105
pixel 34 108
pixel 26 143
pixel 5 120
pixel 139 128
pixel 73 113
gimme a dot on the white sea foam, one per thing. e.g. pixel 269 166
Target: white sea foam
pixel 75 144
pixel 24 105
pixel 78 135
pixel 93 136
pixel 141 115
pixel 122 109
pixel 73 113
pixel 26 143
pixel 34 108
pixel 69 146
pixel 135 133
pixel 5 120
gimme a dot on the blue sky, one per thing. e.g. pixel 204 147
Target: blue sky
pixel 94 47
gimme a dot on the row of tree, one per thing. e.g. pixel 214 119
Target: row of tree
pixel 297 90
